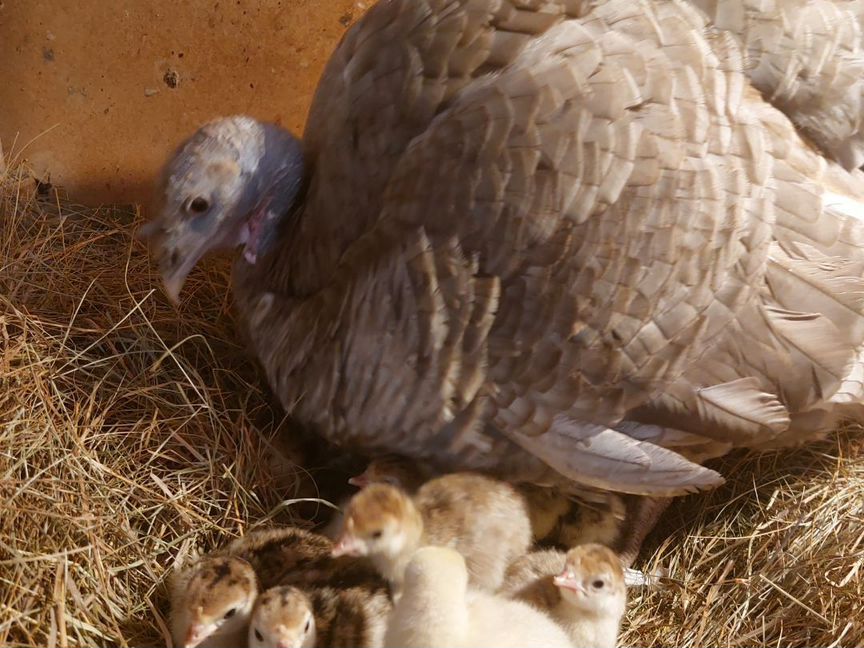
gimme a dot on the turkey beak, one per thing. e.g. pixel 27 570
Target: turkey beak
pixel 177 254
pixel 176 260
pixel 568 580
pixel 348 545
pixel 173 284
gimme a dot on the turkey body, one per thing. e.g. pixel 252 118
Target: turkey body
pixel 570 245
pixel 807 58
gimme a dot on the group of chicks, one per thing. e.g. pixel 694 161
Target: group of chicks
pixel 446 561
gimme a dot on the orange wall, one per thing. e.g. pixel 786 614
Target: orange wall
pixel 95 75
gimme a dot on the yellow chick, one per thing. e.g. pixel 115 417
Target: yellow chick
pixel 584 590
pixel 438 609
pixel 546 506
pixel 483 519
pixel 396 470
pixel 287 617
pixel 211 603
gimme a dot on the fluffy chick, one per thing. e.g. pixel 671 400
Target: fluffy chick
pixel 483 519
pixel 287 617
pixel 396 470
pixel 211 602
pixel 584 590
pixel 205 592
pixel 437 609
pixel 598 522
pixel 546 506
pixel 292 556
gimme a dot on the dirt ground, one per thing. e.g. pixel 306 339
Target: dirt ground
pixel 101 115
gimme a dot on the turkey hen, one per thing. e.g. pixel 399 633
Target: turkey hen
pixel 568 245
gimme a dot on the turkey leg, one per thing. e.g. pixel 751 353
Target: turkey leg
pixel 642 516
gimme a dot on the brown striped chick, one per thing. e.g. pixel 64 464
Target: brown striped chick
pixel 211 602
pixel 593 522
pixel 292 556
pixel 396 470
pixel 437 608
pixel 483 519
pixel 287 617
pixel 229 578
pixel 547 507
pixel 584 590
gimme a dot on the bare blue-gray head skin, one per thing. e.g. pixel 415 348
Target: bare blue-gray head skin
pixel 227 185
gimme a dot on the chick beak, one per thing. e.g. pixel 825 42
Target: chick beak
pixel 348 545
pixel 569 581
pixel 360 481
pixel 197 633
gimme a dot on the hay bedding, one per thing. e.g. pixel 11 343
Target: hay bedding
pixel 132 434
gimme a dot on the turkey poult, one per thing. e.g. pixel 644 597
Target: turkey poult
pixel 288 617
pixel 572 250
pixel 584 591
pixel 439 609
pixel 484 519
pixel 211 603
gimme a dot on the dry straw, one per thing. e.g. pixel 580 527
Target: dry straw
pixel 133 434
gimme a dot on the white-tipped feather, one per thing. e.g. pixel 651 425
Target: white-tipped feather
pixel 843 205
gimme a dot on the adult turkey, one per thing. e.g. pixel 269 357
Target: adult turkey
pixel 571 246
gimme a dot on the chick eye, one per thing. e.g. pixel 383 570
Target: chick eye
pixel 391 480
pixel 597 584
pixel 377 534
pixel 258 635
pixel 230 613
pixel 198 205
pixel 306 627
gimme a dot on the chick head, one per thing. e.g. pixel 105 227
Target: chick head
pixel 380 520
pixel 219 598
pixel 282 618
pixel 593 580
pixel 392 469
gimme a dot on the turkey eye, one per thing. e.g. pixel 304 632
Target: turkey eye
pixel 230 613
pixel 306 627
pixel 258 635
pixel 597 584
pixel 377 534
pixel 198 205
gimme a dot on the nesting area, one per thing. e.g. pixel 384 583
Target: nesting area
pixel 133 434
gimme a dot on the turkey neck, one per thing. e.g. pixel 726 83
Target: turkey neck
pixel 307 229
